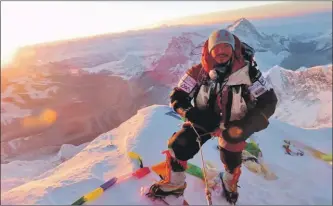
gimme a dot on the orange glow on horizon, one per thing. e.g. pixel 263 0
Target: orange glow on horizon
pixel 26 23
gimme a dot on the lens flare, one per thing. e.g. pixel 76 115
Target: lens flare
pixel 46 118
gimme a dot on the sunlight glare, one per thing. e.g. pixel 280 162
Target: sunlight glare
pixel 24 23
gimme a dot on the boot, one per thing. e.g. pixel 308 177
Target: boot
pixel 230 186
pixel 173 179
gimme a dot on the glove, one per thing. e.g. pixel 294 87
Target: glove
pixel 207 119
pixel 235 132
pixel 254 121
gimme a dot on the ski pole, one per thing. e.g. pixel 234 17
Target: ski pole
pixel 208 194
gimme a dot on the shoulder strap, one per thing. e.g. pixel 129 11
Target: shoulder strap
pixel 248 54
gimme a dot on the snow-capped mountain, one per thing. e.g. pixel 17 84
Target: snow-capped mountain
pixel 157 81
pixel 131 65
pixel 305 96
pixel 270 49
pixel 179 55
pixel 323 42
pixel 289 52
pixel 178 51
pixel 78 82
pixel 309 51
pixel 294 95
pixel 40 109
pixel 247 32
pixel 243 28
pixel 146 133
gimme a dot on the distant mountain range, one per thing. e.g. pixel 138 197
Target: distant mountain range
pixel 94 85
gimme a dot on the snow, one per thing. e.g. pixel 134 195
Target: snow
pixel 307 89
pixel 132 64
pixel 267 60
pixel 9 93
pixel 35 94
pixel 10 111
pixel 181 46
pixel 270 50
pixel 67 151
pixel 34 86
pixel 19 172
pixel 76 170
pixel 195 37
pixel 302 180
pixel 130 55
pixel 25 171
pixel 323 41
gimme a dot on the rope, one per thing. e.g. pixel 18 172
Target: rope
pixel 208 194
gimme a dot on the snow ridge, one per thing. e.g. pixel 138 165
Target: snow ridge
pixel 98 162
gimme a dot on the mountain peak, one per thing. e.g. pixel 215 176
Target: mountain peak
pixel 243 27
pixel 179 45
pixel 184 44
pixel 248 33
pixel 243 21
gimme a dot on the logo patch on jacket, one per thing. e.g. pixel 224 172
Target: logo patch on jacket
pixel 187 83
pixel 259 87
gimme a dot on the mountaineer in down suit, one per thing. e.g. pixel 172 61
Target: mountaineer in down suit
pixel 231 100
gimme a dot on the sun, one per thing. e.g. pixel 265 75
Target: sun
pixel 7 54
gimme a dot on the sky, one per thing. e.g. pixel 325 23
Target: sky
pixel 24 23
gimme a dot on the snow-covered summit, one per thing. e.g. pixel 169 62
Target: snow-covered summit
pixel 270 49
pixel 248 33
pixel 244 27
pixel 146 133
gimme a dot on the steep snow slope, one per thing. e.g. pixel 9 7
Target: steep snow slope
pixel 305 96
pixel 19 172
pixel 147 133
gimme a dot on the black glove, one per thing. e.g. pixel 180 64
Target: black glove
pixel 207 119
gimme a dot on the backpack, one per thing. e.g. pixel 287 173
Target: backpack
pixel 248 53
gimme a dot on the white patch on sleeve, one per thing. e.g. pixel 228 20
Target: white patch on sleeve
pixel 187 83
pixel 259 87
